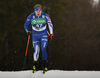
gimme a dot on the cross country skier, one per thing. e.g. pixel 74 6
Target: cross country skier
pixel 38 20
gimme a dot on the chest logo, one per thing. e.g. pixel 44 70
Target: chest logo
pixel 38 21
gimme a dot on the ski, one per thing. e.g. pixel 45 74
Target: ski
pixel 44 71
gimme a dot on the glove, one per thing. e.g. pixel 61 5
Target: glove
pixel 29 33
pixel 51 36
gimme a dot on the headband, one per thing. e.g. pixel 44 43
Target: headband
pixel 37 8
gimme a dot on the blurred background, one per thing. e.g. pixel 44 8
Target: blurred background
pixel 76 42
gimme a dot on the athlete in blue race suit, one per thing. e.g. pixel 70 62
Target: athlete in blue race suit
pixel 38 20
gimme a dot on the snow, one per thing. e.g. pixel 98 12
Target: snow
pixel 50 74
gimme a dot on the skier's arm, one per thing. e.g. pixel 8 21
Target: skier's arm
pixel 28 21
pixel 49 24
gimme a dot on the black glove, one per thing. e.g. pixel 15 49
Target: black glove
pixel 29 33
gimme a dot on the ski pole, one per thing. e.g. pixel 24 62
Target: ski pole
pixel 48 33
pixel 27 45
pixel 26 51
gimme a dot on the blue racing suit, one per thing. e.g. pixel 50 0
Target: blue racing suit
pixel 39 33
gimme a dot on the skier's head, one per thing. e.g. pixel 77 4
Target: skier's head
pixel 38 9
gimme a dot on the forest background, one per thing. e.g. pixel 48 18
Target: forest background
pixel 76 42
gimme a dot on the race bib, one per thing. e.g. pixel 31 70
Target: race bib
pixel 38 21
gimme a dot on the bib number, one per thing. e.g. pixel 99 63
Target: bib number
pixel 38 25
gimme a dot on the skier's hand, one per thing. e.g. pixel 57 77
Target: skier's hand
pixel 51 36
pixel 29 33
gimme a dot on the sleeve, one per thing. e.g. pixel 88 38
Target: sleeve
pixel 49 23
pixel 28 21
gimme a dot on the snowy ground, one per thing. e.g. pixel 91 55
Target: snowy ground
pixel 50 74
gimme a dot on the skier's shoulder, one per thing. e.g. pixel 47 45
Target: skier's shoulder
pixel 43 13
pixel 46 14
pixel 32 14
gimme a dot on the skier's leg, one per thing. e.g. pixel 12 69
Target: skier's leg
pixel 36 51
pixel 44 41
pixel 45 66
pixel 36 45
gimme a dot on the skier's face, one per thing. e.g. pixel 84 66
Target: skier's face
pixel 38 13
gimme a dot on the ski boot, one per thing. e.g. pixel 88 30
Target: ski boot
pixel 45 69
pixel 34 69
pixel 34 66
